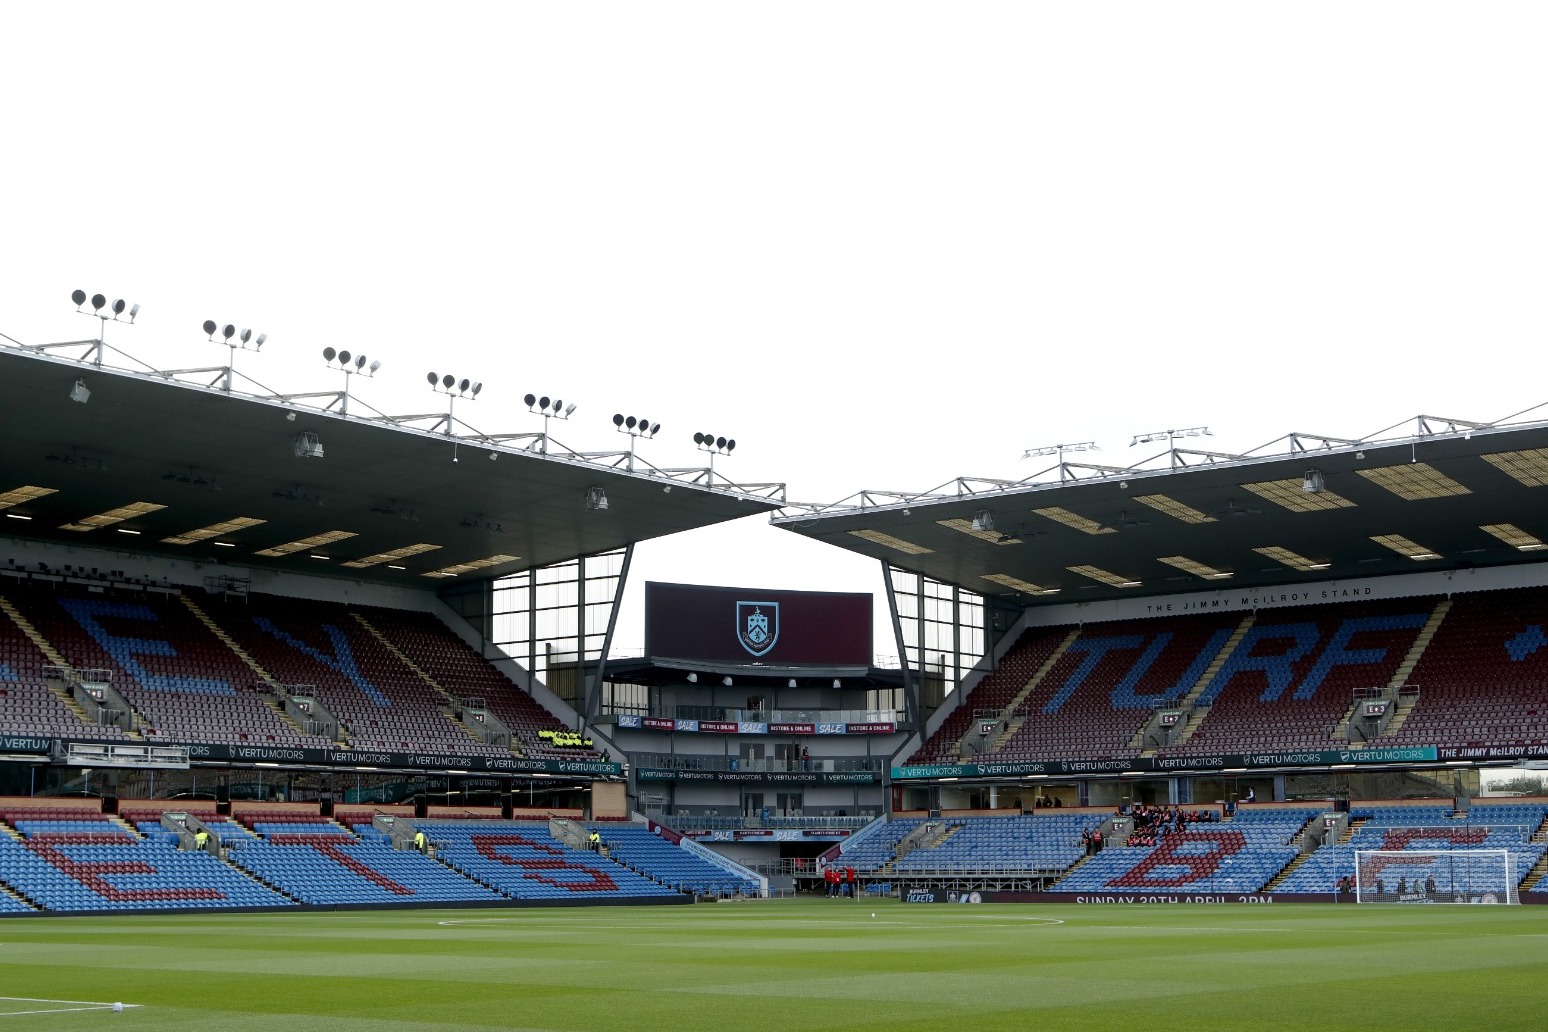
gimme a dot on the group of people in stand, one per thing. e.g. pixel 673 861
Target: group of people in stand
pixel 839 881
pixel 1156 822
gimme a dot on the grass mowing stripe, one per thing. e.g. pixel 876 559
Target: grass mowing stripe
pixel 798 965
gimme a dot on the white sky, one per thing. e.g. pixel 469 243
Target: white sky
pixel 879 244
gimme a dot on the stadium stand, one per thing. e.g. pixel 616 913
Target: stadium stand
pixel 524 862
pixel 1423 830
pixel 323 864
pixel 183 682
pixel 75 860
pixel 674 866
pixel 1481 681
pixel 1047 841
pixel 1239 856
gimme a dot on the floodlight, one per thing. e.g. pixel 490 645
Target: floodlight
pixel 97 301
pixel 134 310
pixel 596 499
pixel 376 364
pixel 308 445
pixel 571 408
pixel 80 392
pixel 263 338
pixel 1313 482
pixel 360 361
pixel 329 354
pixel 463 385
pixel 229 331
pixel 448 380
pixel 118 307
pixel 727 681
pixel 432 378
pixel 79 297
pixel 210 328
pixel 983 520
pixel 247 335
pixel 477 387
pixel 344 357
pixel 693 678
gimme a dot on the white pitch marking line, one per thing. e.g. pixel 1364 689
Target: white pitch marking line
pixel 79 1005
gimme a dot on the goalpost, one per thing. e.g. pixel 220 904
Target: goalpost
pixel 1435 876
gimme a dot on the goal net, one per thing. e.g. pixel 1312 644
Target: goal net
pixel 1435 876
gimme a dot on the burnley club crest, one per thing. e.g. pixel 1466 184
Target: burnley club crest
pixel 757 626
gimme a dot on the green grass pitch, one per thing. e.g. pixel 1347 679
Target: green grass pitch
pixel 788 965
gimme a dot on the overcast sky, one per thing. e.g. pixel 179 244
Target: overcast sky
pixel 881 245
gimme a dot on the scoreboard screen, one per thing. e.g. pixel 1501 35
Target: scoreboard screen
pixel 755 625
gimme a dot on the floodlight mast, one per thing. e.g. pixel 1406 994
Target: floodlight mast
pixel 453 388
pixel 350 365
pixel 636 427
pixel 103 312
pixel 234 341
pixel 1170 437
pixel 548 408
pixel 1059 450
pixel 715 446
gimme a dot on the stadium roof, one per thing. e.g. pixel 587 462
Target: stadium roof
pixel 151 463
pixel 1450 495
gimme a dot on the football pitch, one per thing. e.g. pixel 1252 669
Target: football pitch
pixel 790 965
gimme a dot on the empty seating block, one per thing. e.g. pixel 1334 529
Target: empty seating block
pixel 525 862
pixel 676 866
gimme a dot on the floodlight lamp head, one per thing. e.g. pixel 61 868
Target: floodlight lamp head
pixel 97 301
pixel 376 364
pixel 478 387
pixel 983 520
pixel 134 312
pixel 618 419
pixel 329 354
pixel 344 357
pixel 543 402
pixel 571 408
pixel 1313 482
pixel 360 361
pixel 530 400
pixel 247 335
pixel 596 499
pixel 727 681
pixel 463 385
pixel 432 378
pixel 228 332
pixel 210 328
pixel 79 297
pixel 448 381
pixel 79 392
pixel 118 307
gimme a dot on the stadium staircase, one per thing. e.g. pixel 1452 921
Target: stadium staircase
pixel 1287 872
pixel 1011 718
pixel 225 639
pixel 1355 824
pixel 1189 702
pixel 1014 706
pixel 252 664
pixel 452 708
pixel 58 688
pixel 1416 650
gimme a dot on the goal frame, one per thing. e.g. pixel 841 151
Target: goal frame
pixel 1467 861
